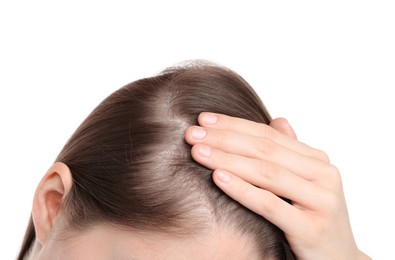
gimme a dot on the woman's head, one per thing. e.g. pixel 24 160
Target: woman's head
pixel 130 168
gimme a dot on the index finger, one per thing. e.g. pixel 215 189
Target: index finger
pixel 247 127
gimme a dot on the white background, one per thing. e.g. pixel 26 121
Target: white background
pixel 327 66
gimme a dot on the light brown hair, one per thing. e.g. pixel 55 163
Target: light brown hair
pixel 132 167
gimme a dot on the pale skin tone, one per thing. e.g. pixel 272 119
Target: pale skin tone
pixel 255 163
pixel 105 242
pixel 252 163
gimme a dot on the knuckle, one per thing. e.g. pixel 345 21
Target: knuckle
pixel 322 156
pixel 330 203
pixel 269 204
pixel 267 131
pixel 266 147
pixel 269 171
pixel 333 173
pixel 337 178
pixel 243 191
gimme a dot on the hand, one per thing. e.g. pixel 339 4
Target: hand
pixel 252 160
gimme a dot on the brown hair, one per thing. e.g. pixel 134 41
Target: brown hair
pixel 131 166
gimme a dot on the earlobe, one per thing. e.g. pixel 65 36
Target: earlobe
pixel 48 199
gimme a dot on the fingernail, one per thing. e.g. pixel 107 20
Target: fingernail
pixel 223 176
pixel 209 118
pixel 198 133
pixel 205 151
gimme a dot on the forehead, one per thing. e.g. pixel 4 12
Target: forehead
pixel 103 242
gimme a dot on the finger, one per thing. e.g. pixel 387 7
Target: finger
pixel 244 144
pixel 308 168
pixel 262 202
pixel 232 142
pixel 273 178
pixel 246 127
pixel 282 125
pixel 263 149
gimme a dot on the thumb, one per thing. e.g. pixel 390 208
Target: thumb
pixel 282 125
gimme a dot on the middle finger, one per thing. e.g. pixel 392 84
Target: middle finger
pixel 257 148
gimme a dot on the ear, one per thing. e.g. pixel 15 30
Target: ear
pixel 48 198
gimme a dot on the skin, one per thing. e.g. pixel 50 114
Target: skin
pixel 102 242
pixel 106 242
pixel 252 160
